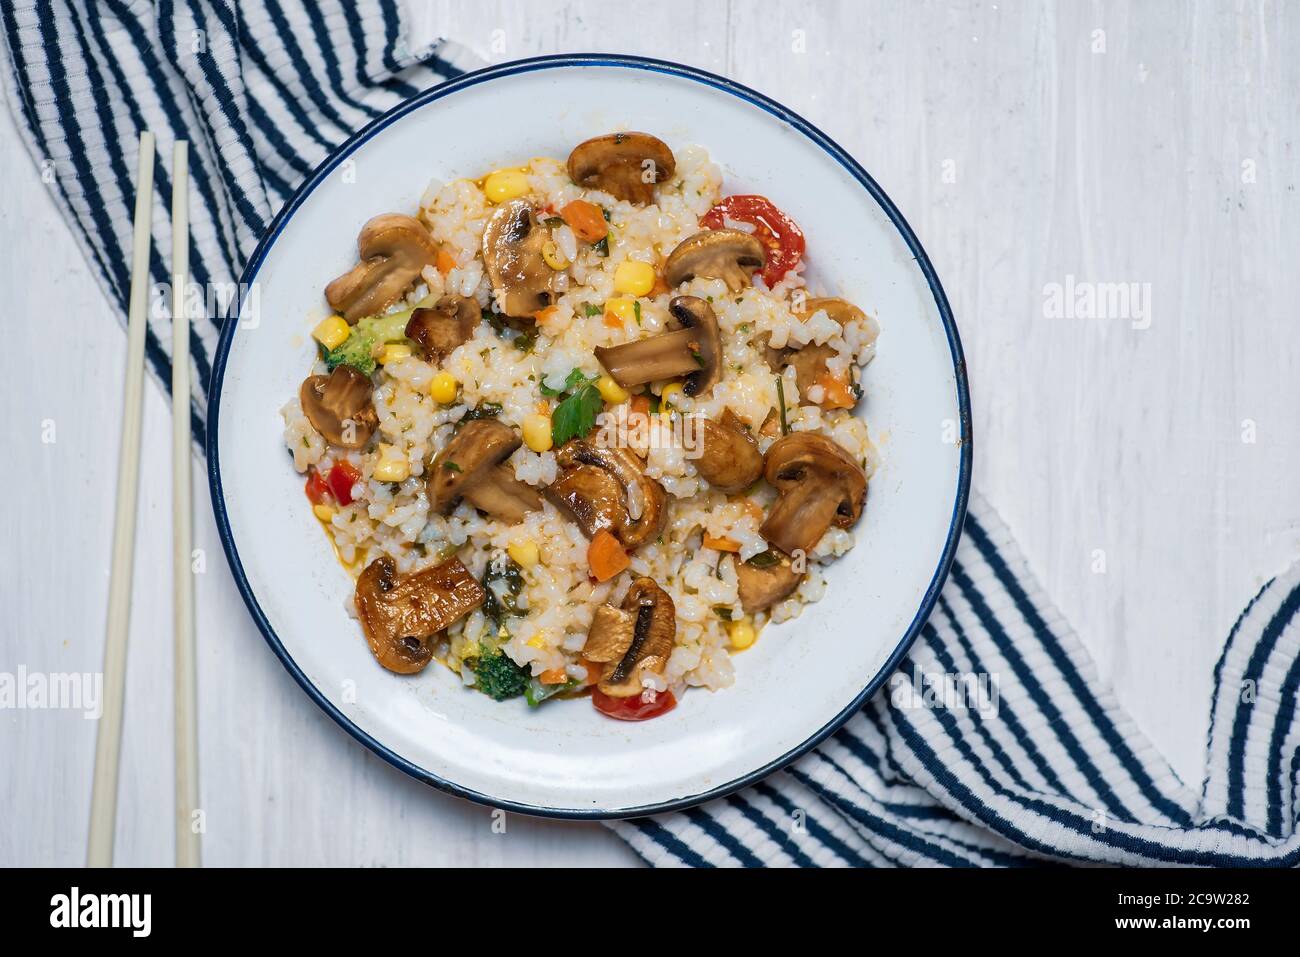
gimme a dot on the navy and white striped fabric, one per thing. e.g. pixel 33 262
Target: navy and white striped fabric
pixel 263 89
pixel 1055 773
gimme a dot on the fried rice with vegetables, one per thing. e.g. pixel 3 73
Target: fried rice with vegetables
pixel 581 429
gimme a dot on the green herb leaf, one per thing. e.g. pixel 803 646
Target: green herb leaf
pixel 575 416
pixel 451 466
pixel 589 309
pixel 526 341
pixel 484 410
pixel 503 581
pixel 636 310
pixel 553 221
pixel 764 559
pixel 601 246
pixel 723 612
pixel 780 394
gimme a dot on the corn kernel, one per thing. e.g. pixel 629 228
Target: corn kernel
pixel 331 332
pixel 324 512
pixel 634 278
pixel 537 432
pixel 392 465
pixel 611 391
pixel 393 351
pixel 552 256
pixel 442 388
pixel 525 554
pixel 667 393
pixel 741 634
pixel 623 308
pixel 505 185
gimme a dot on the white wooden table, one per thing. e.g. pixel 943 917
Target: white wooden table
pixel 1026 143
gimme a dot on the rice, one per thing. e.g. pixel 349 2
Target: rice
pixel 559 598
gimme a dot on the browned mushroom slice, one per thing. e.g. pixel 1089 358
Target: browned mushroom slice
pixel 625 165
pixel 819 485
pixel 726 254
pixel 604 488
pixel 633 639
pixel 339 406
pixel 444 327
pixel 522 282
pixel 809 362
pixel 393 249
pixel 472 467
pixel 610 635
pixel 401 614
pixel 729 458
pixel 763 583
pixel 591 496
pixel 692 348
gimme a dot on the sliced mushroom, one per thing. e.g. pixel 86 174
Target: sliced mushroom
pixel 444 327
pixel 394 249
pixel 762 585
pixel 401 614
pixel 604 488
pixel 693 348
pixel 625 165
pixel 819 485
pixel 726 254
pixel 729 458
pixel 339 406
pixel 522 282
pixel 633 639
pixel 809 361
pixel 473 467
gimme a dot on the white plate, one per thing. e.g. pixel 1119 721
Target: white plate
pixel 803 679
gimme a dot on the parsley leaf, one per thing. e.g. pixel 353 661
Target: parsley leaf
pixel 590 310
pixel 575 416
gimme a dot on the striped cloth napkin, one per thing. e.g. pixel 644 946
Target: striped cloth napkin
pixel 1045 767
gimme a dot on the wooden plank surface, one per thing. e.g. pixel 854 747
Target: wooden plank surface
pixel 1024 146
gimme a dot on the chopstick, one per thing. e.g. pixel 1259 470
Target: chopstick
pixel 103 795
pixel 186 715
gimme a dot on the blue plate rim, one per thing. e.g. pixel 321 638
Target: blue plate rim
pixel 653 65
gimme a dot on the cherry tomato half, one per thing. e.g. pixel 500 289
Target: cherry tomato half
pixel 316 488
pixel 774 229
pixel 635 708
pixel 341 479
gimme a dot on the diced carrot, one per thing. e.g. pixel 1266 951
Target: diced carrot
pixel 612 320
pixel 721 544
pixel 553 676
pixel 641 404
pixel 835 392
pixel 605 556
pixel 446 262
pixel 586 220
pixel 594 669
pixel 544 316
pixel 754 509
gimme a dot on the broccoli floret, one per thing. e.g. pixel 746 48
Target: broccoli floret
pixel 358 349
pixel 498 677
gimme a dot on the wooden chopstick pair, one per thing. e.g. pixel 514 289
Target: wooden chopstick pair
pixel 103 800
